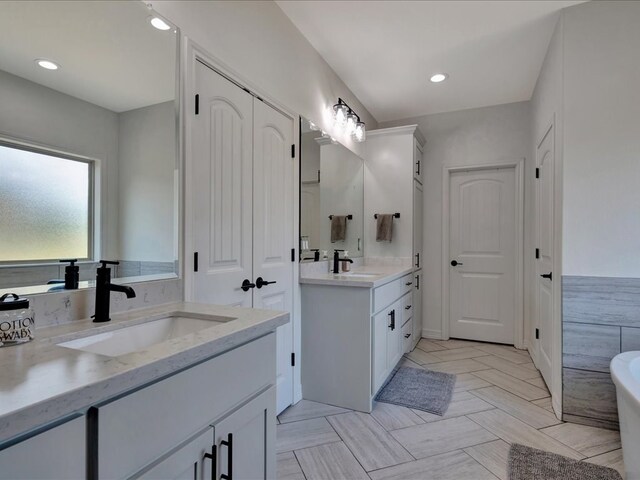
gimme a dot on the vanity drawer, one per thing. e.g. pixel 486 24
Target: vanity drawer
pixel 139 428
pixel 407 308
pixel 387 294
pixel 407 333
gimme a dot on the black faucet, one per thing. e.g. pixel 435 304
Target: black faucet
pixel 104 287
pixel 337 260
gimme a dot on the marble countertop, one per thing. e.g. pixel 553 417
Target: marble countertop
pixel 365 276
pixel 41 382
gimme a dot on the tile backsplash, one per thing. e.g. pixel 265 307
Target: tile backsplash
pixel 66 306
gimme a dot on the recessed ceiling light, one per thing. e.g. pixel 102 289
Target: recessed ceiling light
pixel 159 23
pixel 439 77
pixel 48 64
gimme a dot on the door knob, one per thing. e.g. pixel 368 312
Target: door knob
pixel 455 263
pixel 260 282
pixel 548 275
pixel 246 285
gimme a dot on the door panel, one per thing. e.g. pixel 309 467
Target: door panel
pixel 273 230
pixel 222 178
pixel 252 442
pixel 187 463
pixel 482 239
pixel 545 161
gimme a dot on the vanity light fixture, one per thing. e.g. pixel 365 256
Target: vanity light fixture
pixel 159 23
pixel 439 77
pixel 47 64
pixel 345 118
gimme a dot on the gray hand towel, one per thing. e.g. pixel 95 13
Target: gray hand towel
pixel 384 227
pixel 338 228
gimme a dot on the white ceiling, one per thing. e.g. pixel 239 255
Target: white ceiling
pixel 109 53
pixel 386 51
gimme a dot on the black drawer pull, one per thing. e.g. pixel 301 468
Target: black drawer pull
pixel 392 325
pixel 407 335
pixel 214 461
pixel 407 307
pixel 408 284
pixel 229 444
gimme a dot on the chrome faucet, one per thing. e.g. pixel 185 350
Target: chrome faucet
pixel 104 287
pixel 337 260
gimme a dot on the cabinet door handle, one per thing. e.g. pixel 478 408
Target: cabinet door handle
pixel 418 170
pixel 260 282
pixel 407 335
pixel 246 285
pixel 407 307
pixel 229 444
pixel 547 275
pixel 392 314
pixel 214 461
pixel 417 260
pixel 409 284
pixel 418 282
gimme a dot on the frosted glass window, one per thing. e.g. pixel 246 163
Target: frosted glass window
pixel 45 205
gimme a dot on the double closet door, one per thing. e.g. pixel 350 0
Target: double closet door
pixel 242 207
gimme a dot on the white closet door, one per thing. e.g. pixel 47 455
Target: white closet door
pixel 222 190
pixel 273 230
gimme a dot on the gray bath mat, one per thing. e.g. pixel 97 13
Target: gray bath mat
pixel 526 463
pixel 420 389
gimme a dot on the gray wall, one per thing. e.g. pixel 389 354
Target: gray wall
pixel 146 176
pixel 469 137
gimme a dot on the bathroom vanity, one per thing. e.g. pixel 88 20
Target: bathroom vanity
pixel 356 328
pixel 156 393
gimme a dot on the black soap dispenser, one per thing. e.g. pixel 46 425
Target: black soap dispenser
pixel 71 276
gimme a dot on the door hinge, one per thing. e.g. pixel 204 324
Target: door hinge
pixel 293 359
pixel 197 104
pixel 537 253
pixel 537 173
pixel 293 151
pixel 293 254
pixel 537 333
pixel 195 261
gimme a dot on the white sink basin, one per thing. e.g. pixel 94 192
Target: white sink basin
pixel 141 336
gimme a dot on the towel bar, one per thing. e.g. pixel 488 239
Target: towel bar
pixel 395 215
pixel 349 217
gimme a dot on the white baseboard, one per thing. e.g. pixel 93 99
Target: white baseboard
pixel 430 333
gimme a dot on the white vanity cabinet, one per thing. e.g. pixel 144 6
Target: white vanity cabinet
pixel 229 400
pixel 352 343
pixel 394 176
pixel 55 453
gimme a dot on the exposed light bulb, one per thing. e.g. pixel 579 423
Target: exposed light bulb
pixel 313 127
pixel 340 115
pixel 359 133
pixel 351 123
pixel 48 64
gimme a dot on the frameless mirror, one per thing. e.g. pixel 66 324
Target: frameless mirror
pixel 331 196
pixel 88 142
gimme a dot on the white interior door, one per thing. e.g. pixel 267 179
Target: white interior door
pixel 482 240
pixel 222 190
pixel 273 230
pixel 545 161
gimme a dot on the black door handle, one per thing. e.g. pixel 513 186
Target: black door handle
pixel 392 314
pixel 455 263
pixel 418 282
pixel 246 285
pixel 260 282
pixel 418 164
pixel 417 260
pixel 214 461
pixel 548 275
pixel 229 444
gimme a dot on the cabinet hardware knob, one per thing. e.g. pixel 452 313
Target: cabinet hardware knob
pixel 409 283
pixel 455 263
pixel 548 275
pixel 246 285
pixel 407 307
pixel 407 335
pixel 260 282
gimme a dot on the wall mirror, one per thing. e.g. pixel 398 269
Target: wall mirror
pixel 332 184
pixel 89 168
